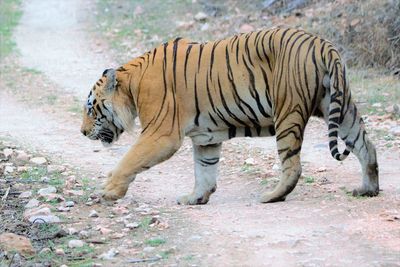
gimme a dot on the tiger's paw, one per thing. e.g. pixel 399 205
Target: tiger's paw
pixel 365 192
pixel 270 197
pixel 114 191
pixel 192 199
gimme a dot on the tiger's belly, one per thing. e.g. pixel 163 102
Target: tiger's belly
pixel 212 135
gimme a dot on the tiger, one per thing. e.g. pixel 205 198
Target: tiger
pixel 256 84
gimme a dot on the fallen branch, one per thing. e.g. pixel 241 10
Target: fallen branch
pixel 6 194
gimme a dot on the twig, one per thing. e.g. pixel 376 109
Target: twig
pixel 12 259
pixel 96 241
pixel 138 260
pixel 6 194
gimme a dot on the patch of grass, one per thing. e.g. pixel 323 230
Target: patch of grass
pixel 250 169
pixel 188 258
pixel 10 14
pixel 155 242
pixel 34 174
pixel 264 182
pixel 145 223
pixel 309 179
pixel 32 71
pixel 51 99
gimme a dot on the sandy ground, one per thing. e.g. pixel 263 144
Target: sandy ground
pixel 318 224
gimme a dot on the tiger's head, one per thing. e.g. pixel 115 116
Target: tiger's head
pixel 108 110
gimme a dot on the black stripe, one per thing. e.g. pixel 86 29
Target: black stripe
pixel 186 61
pixel 196 119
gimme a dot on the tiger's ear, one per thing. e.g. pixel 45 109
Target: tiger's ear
pixel 111 80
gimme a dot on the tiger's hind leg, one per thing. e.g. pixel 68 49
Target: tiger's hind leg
pixel 289 136
pixel 352 130
pixel 206 160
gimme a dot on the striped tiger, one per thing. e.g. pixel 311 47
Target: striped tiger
pixel 262 83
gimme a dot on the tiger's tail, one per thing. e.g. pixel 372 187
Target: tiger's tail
pixel 339 94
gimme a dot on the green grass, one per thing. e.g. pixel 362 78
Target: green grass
pixel 9 17
pixel 155 242
pixel 34 174
pixel 309 179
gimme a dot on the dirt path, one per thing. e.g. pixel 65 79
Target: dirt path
pixel 319 224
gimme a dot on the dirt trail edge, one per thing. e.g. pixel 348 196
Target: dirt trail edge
pixel 318 225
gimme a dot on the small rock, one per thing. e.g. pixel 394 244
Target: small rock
pixel 41 210
pixel 12 242
pixel 74 192
pixel 246 28
pixel 200 16
pixel 63 209
pixel 93 214
pixel 7 152
pixel 76 243
pixel 54 197
pixel 395 130
pixel 84 234
pixel 109 255
pixel 45 179
pixel 9 169
pixel 59 251
pixel 69 204
pixel 44 219
pixel 250 161
pixel 275 167
pixel 377 105
pixel 148 249
pixel 132 225
pixel 321 169
pixel 32 203
pixel 25 194
pixel 22 169
pixel 47 191
pixel 104 230
pixel 39 160
pixel 72 231
pixel 22 155
pixel 55 168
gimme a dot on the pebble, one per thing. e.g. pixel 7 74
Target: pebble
pixel 63 209
pixel 250 161
pixel 275 167
pixel 132 225
pixel 25 194
pixel 44 219
pixel 55 168
pixel 200 16
pixel 76 243
pixel 69 204
pixel 246 28
pixel 93 214
pixel 39 160
pixel 7 152
pixel 395 130
pixel 32 203
pixel 109 255
pixel 47 191
pixel 72 231
pixel 22 155
pixel 59 251
pixel 9 169
pixel 84 234
pixel 73 192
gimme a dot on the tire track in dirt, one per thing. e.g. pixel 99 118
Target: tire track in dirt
pixel 314 227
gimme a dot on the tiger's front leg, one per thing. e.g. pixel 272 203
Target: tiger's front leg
pixel 206 160
pixel 147 152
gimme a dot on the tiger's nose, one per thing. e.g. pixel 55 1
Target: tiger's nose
pixel 84 132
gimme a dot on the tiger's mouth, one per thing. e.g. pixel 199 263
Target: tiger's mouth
pixel 106 137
